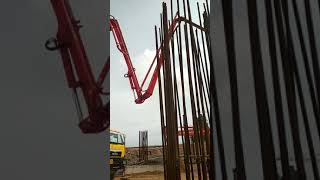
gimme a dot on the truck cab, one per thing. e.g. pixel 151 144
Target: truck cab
pixel 117 150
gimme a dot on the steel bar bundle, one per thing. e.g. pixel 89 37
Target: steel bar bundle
pixel 184 92
pixel 285 86
pixel 286 99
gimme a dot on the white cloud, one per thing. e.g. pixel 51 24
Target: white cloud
pixel 127 116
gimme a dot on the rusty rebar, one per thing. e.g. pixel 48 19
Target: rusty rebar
pixel 161 107
pixel 262 106
pixel 227 5
pixel 172 168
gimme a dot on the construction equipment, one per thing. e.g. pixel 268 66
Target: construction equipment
pixel 117 150
pixel 79 72
pixel 191 132
pixel 140 94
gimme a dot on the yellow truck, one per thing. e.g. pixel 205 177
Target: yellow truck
pixel 117 150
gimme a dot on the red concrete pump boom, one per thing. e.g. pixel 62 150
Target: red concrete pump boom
pixel 79 73
pixel 121 45
pixel 140 94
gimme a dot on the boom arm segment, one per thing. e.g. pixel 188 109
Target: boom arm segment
pixel 76 64
pixel 141 95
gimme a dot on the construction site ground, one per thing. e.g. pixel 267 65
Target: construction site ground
pixel 157 175
pixel 151 170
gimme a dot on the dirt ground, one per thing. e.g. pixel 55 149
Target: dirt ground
pixel 149 176
pixel 132 154
pixel 143 176
pixel 146 174
pixel 155 152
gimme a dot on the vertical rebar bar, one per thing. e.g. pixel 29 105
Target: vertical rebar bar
pixel 286 57
pixel 161 107
pixel 172 165
pixel 306 123
pixel 264 124
pixel 191 93
pixel 277 92
pixel 240 172
pixel 314 52
pixel 315 106
pixel 214 102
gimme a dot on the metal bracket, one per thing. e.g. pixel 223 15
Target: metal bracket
pixel 126 75
pixel 52 44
